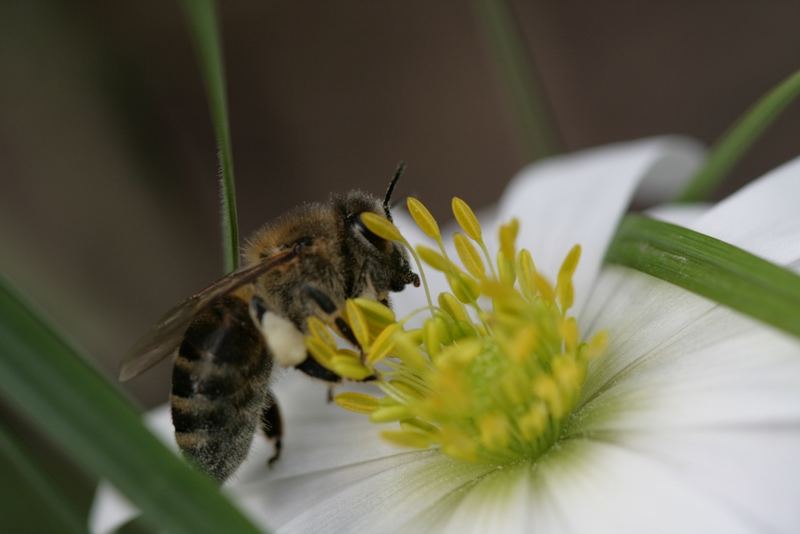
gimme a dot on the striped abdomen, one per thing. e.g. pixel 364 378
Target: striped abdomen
pixel 219 386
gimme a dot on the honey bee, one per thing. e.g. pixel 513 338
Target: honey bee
pixel 226 338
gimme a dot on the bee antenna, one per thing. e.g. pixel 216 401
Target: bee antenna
pixel 397 174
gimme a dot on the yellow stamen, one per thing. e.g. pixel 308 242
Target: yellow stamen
pixel 383 344
pixel 434 259
pixel 469 256
pixel 375 313
pixel 357 402
pixel 423 218
pixel 466 219
pixel 495 384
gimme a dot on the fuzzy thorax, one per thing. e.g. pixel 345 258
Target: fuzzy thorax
pixel 498 364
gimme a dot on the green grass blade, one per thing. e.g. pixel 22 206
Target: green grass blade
pixel 46 380
pixel 205 30
pixel 711 268
pixel 69 519
pixel 735 142
pixel 516 69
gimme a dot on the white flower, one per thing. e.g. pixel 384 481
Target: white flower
pixel 690 423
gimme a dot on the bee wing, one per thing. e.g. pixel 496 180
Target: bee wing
pixel 162 340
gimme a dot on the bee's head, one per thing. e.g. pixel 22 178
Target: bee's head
pixel 386 262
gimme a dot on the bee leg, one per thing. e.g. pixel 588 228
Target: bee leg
pixel 314 369
pixel 310 366
pixel 330 393
pixel 333 313
pixel 272 425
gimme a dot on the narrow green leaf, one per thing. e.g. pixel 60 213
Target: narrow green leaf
pixel 517 70
pixel 68 518
pixel 46 380
pixel 203 21
pixel 711 268
pixel 735 142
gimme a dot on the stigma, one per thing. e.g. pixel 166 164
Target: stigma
pixel 497 366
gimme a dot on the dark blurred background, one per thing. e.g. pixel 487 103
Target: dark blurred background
pixel 109 208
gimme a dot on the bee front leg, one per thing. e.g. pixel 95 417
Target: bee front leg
pixel 333 313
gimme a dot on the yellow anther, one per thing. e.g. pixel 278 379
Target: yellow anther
pixel 375 313
pixel 521 347
pixel 546 389
pixel 436 333
pixel 469 256
pixel 465 288
pixel 564 287
pixel 391 413
pixel 508 237
pixel 596 346
pixel 383 344
pixel 408 351
pixel 420 426
pixel 543 287
pixel 347 358
pixel 450 304
pixel 320 351
pixel 459 354
pixel 318 329
pixel 408 438
pixel 567 375
pixel 569 332
pixel 423 218
pixel 381 227
pixel 357 402
pixel 505 269
pixel 466 219
pixel 434 259
pixel 566 293
pixel 405 389
pixel 353 371
pixel 415 335
pixel 526 270
pixel 534 422
pixel 358 324
pixel 570 263
pixel 494 430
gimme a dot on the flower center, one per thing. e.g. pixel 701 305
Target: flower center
pixel 495 369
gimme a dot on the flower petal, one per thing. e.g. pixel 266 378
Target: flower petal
pixel 680 214
pixel 641 312
pixel 763 217
pixel 580 198
pixel 717 400
pixel 585 486
pixel 719 405
pixel 373 496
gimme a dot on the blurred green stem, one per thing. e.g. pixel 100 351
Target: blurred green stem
pixel 15 452
pixel 205 30
pixel 729 149
pixel 516 68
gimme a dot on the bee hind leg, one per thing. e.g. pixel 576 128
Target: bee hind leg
pixel 272 425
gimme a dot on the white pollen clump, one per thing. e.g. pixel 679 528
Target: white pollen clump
pixel 285 341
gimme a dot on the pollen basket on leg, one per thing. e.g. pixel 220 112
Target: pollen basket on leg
pixel 495 369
